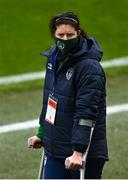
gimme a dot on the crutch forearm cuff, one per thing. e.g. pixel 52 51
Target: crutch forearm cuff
pixel 87 122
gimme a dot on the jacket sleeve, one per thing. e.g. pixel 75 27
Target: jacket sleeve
pixel 40 132
pixel 90 86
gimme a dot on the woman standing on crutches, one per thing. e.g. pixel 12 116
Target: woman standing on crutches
pixel 74 99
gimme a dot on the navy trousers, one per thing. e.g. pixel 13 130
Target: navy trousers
pixel 54 168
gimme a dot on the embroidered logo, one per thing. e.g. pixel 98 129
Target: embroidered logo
pixel 69 73
pixel 60 45
pixel 50 66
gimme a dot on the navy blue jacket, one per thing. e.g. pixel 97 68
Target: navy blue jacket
pixel 79 87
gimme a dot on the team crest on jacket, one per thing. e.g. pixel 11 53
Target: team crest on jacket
pixel 69 73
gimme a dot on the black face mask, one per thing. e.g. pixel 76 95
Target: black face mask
pixel 65 46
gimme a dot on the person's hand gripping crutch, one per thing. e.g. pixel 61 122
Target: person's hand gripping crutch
pixel 35 143
pixel 75 161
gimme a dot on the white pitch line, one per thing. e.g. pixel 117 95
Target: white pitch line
pixel 34 123
pixel 115 62
pixel 22 78
pixel 19 126
pixel 117 108
pixel 40 75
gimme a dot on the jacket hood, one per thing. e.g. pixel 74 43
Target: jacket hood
pixel 90 49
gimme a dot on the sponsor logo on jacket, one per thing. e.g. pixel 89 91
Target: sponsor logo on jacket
pixel 50 66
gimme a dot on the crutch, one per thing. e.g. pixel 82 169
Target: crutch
pixel 82 170
pixel 41 168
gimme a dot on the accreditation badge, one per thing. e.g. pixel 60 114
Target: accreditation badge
pixel 51 110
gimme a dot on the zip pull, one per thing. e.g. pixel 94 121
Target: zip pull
pixel 52 93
